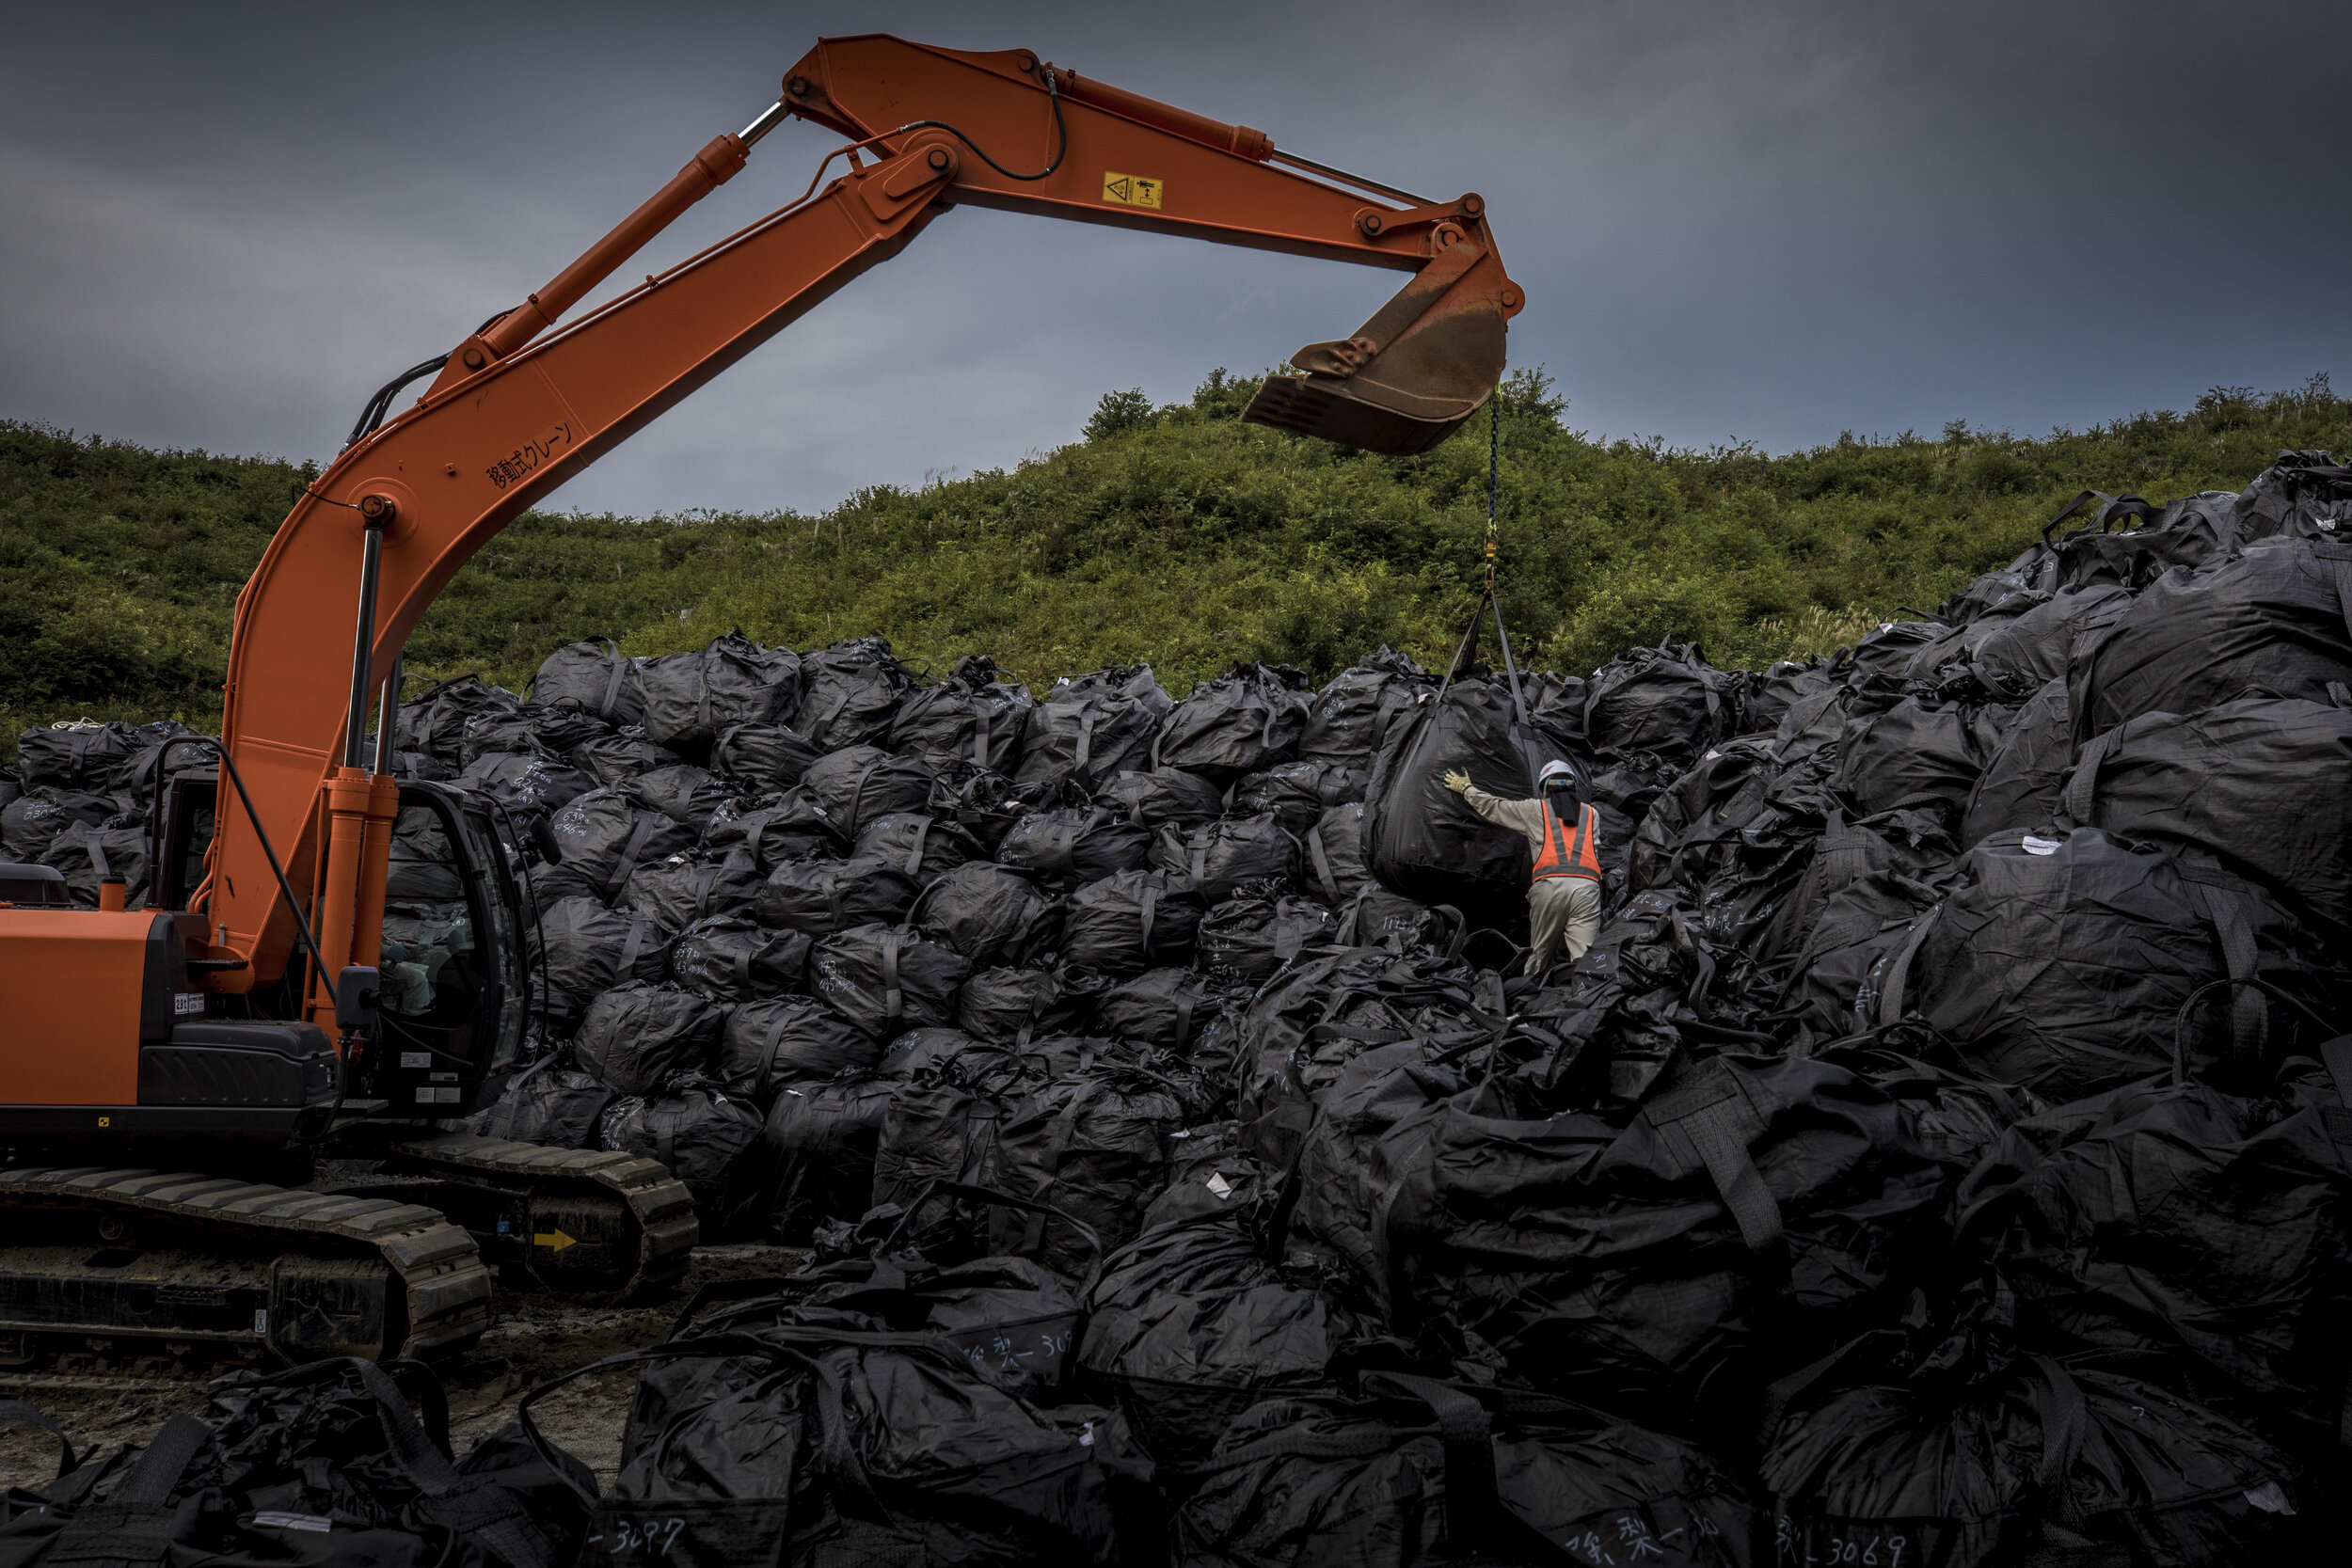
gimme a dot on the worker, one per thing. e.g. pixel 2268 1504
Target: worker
pixel 1563 895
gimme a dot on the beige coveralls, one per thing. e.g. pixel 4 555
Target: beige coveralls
pixel 1562 912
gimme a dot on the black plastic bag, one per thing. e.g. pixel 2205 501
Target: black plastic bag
pixel 1667 700
pixel 1072 845
pixel 1299 793
pixel 617 759
pixel 1162 1009
pixel 822 896
pixel 547 1103
pixel 990 914
pixel 1335 853
pixel 525 784
pixel 925 847
pixel 80 755
pixel 31 822
pixel 969 716
pixel 1000 1005
pixel 1090 728
pixel 2264 784
pixel 692 697
pixel 814 1158
pixel 635 1036
pixel 1420 838
pixel 1220 858
pixel 1422 1471
pixel 790 1042
pixel 942 1126
pixel 778 831
pixel 2061 963
pixel 1914 755
pixel 852 693
pixel 856 786
pixel 683 793
pixel 1163 795
pixel 584 949
pixel 434 721
pixel 730 959
pixel 1350 717
pixel 2030 650
pixel 683 889
pixel 1248 939
pixel 2277 617
pixel 887 978
pixel 1090 1145
pixel 695 1130
pixel 1124 925
pixel 593 676
pixel 88 855
pixel 764 756
pixel 1243 722
pixel 601 838
pixel 2024 774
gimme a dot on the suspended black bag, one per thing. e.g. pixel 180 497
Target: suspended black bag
pixel 1220 858
pixel 2200 1232
pixel 548 1104
pixel 2026 772
pixel 1248 939
pixel 1001 1005
pixel 635 1036
pixel 1190 1324
pixel 1163 795
pixel 1090 728
pixel 852 693
pixel 593 677
pixel 1419 838
pixel 990 914
pixel 1667 700
pixel 1756 1213
pixel 88 855
pixel 813 1443
pixel 1298 793
pixel 764 756
pixel 2278 617
pixel 584 949
pixel 2264 784
pixel 1348 718
pixel 692 697
pixel 814 1158
pixel 887 978
pixel 730 959
pixel 697 1132
pixel 1074 844
pixel 617 759
pixel 1243 722
pixel 2026 1460
pixel 1089 1146
pixel 923 847
pixel 81 755
pixel 1124 925
pixel 970 717
pixel 822 896
pixel 30 823
pixel 792 828
pixel 683 889
pixel 856 786
pixel 1422 1471
pixel 789 1042
pixel 601 838
pixel 1335 853
pixel 2061 965
pixel 1162 1009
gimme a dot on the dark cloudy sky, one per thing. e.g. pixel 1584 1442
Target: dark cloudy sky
pixel 222 225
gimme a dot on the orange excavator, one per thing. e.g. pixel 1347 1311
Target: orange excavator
pixel 159 1066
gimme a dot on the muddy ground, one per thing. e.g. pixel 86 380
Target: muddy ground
pixel 532 1338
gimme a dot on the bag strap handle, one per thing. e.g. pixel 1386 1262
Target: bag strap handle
pixel 159 1468
pixel 612 687
pixel 23 1414
pixel 1707 1121
pixel 893 999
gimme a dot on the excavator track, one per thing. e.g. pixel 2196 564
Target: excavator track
pixel 591 1224
pixel 138 1270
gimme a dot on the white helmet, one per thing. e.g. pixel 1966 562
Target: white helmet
pixel 1555 771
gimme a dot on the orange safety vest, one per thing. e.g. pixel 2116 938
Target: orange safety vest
pixel 1566 854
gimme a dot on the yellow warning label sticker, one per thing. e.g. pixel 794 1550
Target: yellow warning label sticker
pixel 1132 190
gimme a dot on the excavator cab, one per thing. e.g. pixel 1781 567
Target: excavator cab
pixel 454 992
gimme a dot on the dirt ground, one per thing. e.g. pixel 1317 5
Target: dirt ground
pixel 532 1338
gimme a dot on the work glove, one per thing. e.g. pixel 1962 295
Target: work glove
pixel 1456 780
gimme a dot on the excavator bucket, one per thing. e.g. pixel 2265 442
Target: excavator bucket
pixel 1426 361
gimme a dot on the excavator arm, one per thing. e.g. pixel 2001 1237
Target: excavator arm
pixel 522 405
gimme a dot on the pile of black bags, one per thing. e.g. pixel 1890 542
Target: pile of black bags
pixel 1943 1155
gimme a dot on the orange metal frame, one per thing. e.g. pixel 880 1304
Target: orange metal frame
pixel 523 405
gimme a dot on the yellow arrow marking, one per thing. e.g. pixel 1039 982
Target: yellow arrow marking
pixel 555 1240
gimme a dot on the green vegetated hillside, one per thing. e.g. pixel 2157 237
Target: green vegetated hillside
pixel 1174 534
